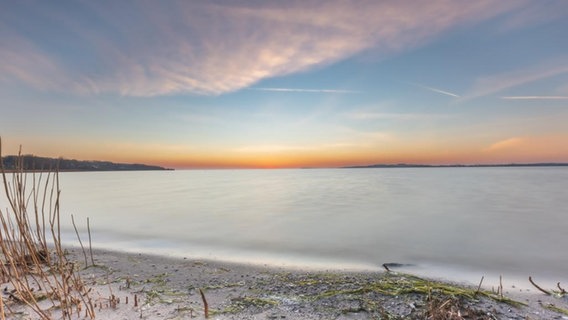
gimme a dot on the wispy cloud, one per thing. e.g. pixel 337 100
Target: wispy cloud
pixel 306 90
pixel 183 47
pixel 272 148
pixel 287 148
pixel 444 92
pixel 25 62
pixel 202 119
pixel 535 13
pixel 535 98
pixel 362 115
pixel 496 83
pixel 363 138
pixel 347 139
pixel 505 144
pixel 534 148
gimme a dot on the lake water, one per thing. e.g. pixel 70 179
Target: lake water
pixel 455 223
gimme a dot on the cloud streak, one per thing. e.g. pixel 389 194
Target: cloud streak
pixel 23 61
pixel 394 116
pixel 505 144
pixel 272 148
pixel 444 92
pixel 306 90
pixel 499 82
pixel 535 98
pixel 211 48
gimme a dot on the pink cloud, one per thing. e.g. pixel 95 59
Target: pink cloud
pixel 507 144
pixel 203 48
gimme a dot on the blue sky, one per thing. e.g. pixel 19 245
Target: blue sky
pixel 217 84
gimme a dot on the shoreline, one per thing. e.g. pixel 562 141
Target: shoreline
pixel 169 288
pixel 462 273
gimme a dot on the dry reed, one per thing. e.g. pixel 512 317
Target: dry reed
pixel 34 270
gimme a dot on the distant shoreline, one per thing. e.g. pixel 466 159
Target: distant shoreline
pixel 404 165
pixel 31 163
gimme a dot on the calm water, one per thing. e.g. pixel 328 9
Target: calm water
pixel 460 223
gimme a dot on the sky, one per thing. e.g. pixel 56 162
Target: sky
pixel 285 84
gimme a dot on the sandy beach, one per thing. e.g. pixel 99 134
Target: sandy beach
pixel 137 286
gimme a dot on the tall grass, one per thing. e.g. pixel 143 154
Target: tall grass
pixel 33 266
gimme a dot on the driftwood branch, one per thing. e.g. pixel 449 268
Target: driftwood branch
pixel 205 305
pixel 539 288
pixel 562 291
pixel 479 287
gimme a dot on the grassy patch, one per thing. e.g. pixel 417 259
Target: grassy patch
pixel 239 304
pixel 389 285
pixel 554 308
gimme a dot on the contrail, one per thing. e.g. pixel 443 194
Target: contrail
pixel 305 90
pixel 447 93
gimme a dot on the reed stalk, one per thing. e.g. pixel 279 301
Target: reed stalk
pixel 33 266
